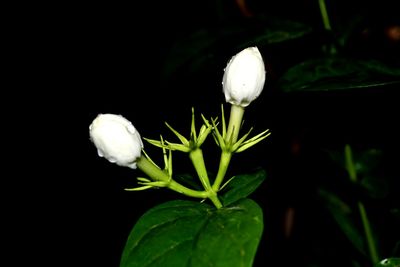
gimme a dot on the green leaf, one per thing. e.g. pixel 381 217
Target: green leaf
pixel 185 52
pixel 183 56
pixel 277 30
pixel 341 212
pixel 391 262
pixel 335 73
pixel 191 234
pixel 375 186
pixel 242 185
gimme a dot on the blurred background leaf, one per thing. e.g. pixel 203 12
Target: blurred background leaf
pixel 344 216
pixel 334 73
pixel 391 262
pixel 369 167
pixel 183 55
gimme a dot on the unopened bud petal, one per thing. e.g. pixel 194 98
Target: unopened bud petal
pixel 244 77
pixel 116 139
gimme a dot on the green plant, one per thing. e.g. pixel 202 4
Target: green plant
pixel 184 232
pixel 330 85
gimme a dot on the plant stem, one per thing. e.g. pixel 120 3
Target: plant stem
pixel 361 208
pixel 330 47
pixel 214 198
pixel 324 14
pixel 159 175
pixel 368 233
pixel 351 170
pixel 232 133
pixel 197 159
pixel 235 121
pixel 223 167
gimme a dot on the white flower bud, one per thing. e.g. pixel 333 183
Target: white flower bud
pixel 244 77
pixel 116 139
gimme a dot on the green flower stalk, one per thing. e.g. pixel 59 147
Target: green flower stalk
pixel 193 148
pixel 117 140
pixel 162 179
pixel 242 83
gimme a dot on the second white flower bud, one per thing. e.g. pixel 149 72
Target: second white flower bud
pixel 244 77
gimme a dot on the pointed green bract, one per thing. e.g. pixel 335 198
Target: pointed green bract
pixel 193 136
pixel 251 142
pixel 217 136
pixel 140 188
pixel 154 142
pixel 178 147
pixel 181 137
pixel 241 140
pixel 223 121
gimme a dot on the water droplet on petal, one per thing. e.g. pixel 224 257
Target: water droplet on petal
pixel 100 153
pixel 131 129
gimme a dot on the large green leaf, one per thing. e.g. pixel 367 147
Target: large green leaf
pixel 186 233
pixel 242 185
pixel 342 214
pixel 336 73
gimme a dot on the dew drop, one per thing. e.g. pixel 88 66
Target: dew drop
pixel 111 159
pixel 131 129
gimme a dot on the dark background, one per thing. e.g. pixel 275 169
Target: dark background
pixel 111 58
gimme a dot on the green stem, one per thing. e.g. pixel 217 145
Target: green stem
pixel 159 175
pixel 235 121
pixel 349 163
pixel 214 199
pixel 330 47
pixel 197 159
pixel 223 167
pixel 363 213
pixel 324 14
pixel 232 133
pixel 368 233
